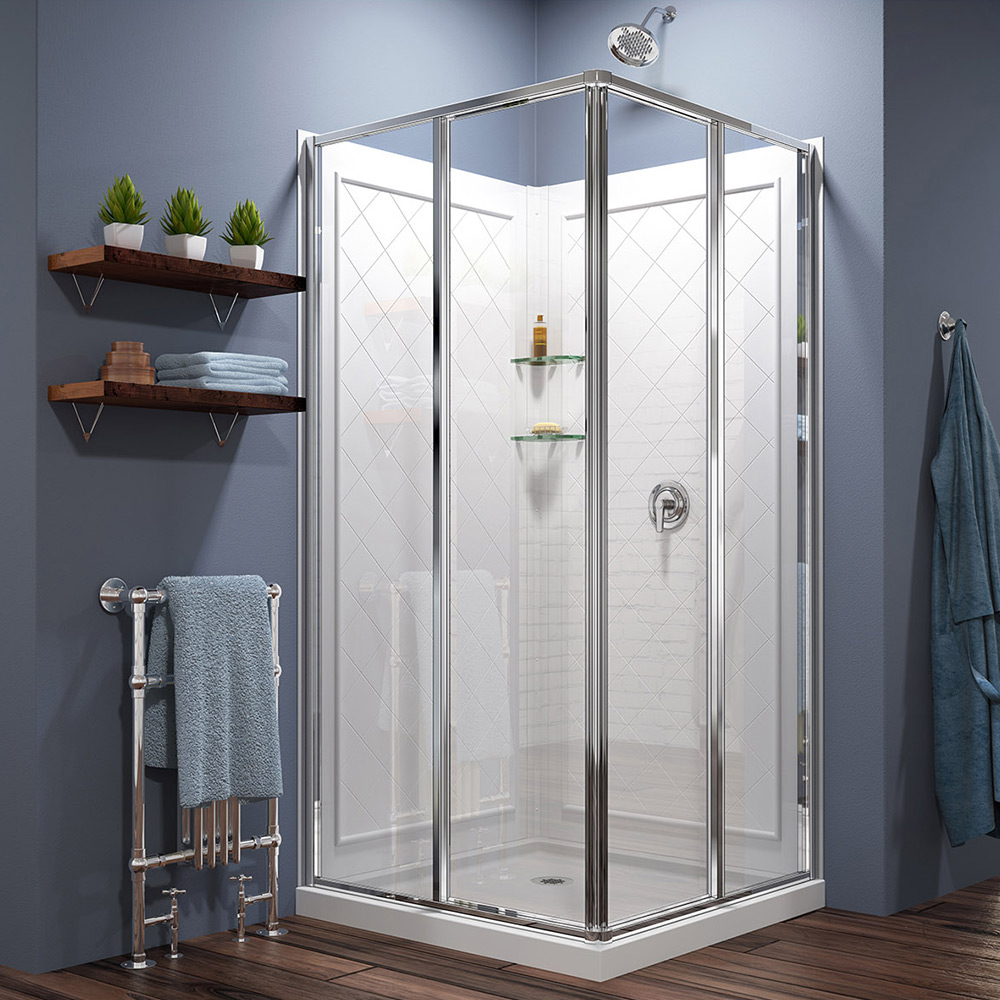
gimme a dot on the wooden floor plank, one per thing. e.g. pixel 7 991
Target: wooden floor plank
pixel 80 988
pixel 167 982
pixel 746 942
pixel 237 973
pixel 794 974
pixel 926 950
pixel 625 987
pixel 388 983
pixel 947 977
pixel 266 952
pixel 54 986
pixel 909 929
pixel 739 985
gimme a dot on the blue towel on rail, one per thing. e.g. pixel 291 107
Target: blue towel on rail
pixel 273 386
pixel 965 599
pixel 218 724
pixel 221 359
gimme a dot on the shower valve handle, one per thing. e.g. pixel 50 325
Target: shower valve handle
pixel 668 506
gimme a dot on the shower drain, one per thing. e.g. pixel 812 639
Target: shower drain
pixel 551 880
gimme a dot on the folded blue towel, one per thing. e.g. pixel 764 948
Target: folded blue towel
pixel 217 370
pixel 269 385
pixel 198 371
pixel 219 724
pixel 245 362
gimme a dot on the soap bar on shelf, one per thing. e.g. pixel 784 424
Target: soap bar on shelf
pixel 546 427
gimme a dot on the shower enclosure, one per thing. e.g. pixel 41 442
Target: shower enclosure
pixel 561 525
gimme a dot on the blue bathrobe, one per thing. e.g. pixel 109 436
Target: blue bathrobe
pixel 965 645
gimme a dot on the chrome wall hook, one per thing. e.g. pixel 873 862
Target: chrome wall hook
pixel 946 325
pixel 222 440
pixel 93 298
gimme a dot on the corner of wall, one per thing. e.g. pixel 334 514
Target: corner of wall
pixel 18 265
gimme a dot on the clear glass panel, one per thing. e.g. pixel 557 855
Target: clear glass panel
pixel 657 433
pixel 375 511
pixel 766 574
pixel 517 531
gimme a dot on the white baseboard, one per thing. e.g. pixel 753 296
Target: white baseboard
pixel 598 961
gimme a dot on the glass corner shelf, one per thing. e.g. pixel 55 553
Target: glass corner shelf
pixel 550 359
pixel 548 437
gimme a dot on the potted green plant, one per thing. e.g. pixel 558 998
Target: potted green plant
pixel 245 236
pixel 184 227
pixel 123 215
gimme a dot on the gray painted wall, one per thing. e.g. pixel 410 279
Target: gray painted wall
pixel 806 69
pixel 942 219
pixel 152 494
pixel 17 458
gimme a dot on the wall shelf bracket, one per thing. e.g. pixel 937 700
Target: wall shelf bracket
pixel 79 420
pixel 218 316
pixel 93 298
pixel 218 437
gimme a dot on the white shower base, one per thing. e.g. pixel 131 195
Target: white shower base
pixel 556 952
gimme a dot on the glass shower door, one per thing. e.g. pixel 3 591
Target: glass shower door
pixel 515 545
pixel 374 801
pixel 658 441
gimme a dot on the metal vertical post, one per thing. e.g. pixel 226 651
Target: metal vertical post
pixel 271 928
pixel 715 519
pixel 137 683
pixel 310 624
pixel 442 510
pixel 596 752
pixel 814 834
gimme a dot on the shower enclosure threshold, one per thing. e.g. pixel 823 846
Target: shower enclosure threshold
pixel 597 961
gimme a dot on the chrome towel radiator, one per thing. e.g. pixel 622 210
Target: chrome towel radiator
pixel 213 834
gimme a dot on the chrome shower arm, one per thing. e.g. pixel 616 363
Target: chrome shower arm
pixel 669 13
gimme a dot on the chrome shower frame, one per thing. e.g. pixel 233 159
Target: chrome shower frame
pixel 596 85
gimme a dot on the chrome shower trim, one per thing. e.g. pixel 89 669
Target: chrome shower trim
pixel 716 513
pixel 596 351
pixel 521 95
pixel 668 102
pixel 308 624
pixel 441 449
pixel 815 173
pixel 550 925
pixel 557 88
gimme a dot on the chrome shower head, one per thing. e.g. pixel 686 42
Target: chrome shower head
pixel 634 44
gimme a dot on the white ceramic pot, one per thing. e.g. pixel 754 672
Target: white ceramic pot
pixel 186 245
pixel 246 256
pixel 123 234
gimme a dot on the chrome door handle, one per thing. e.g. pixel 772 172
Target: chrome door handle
pixel 668 506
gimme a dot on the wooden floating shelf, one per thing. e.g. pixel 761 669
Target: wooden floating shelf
pixel 165 397
pixel 121 264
